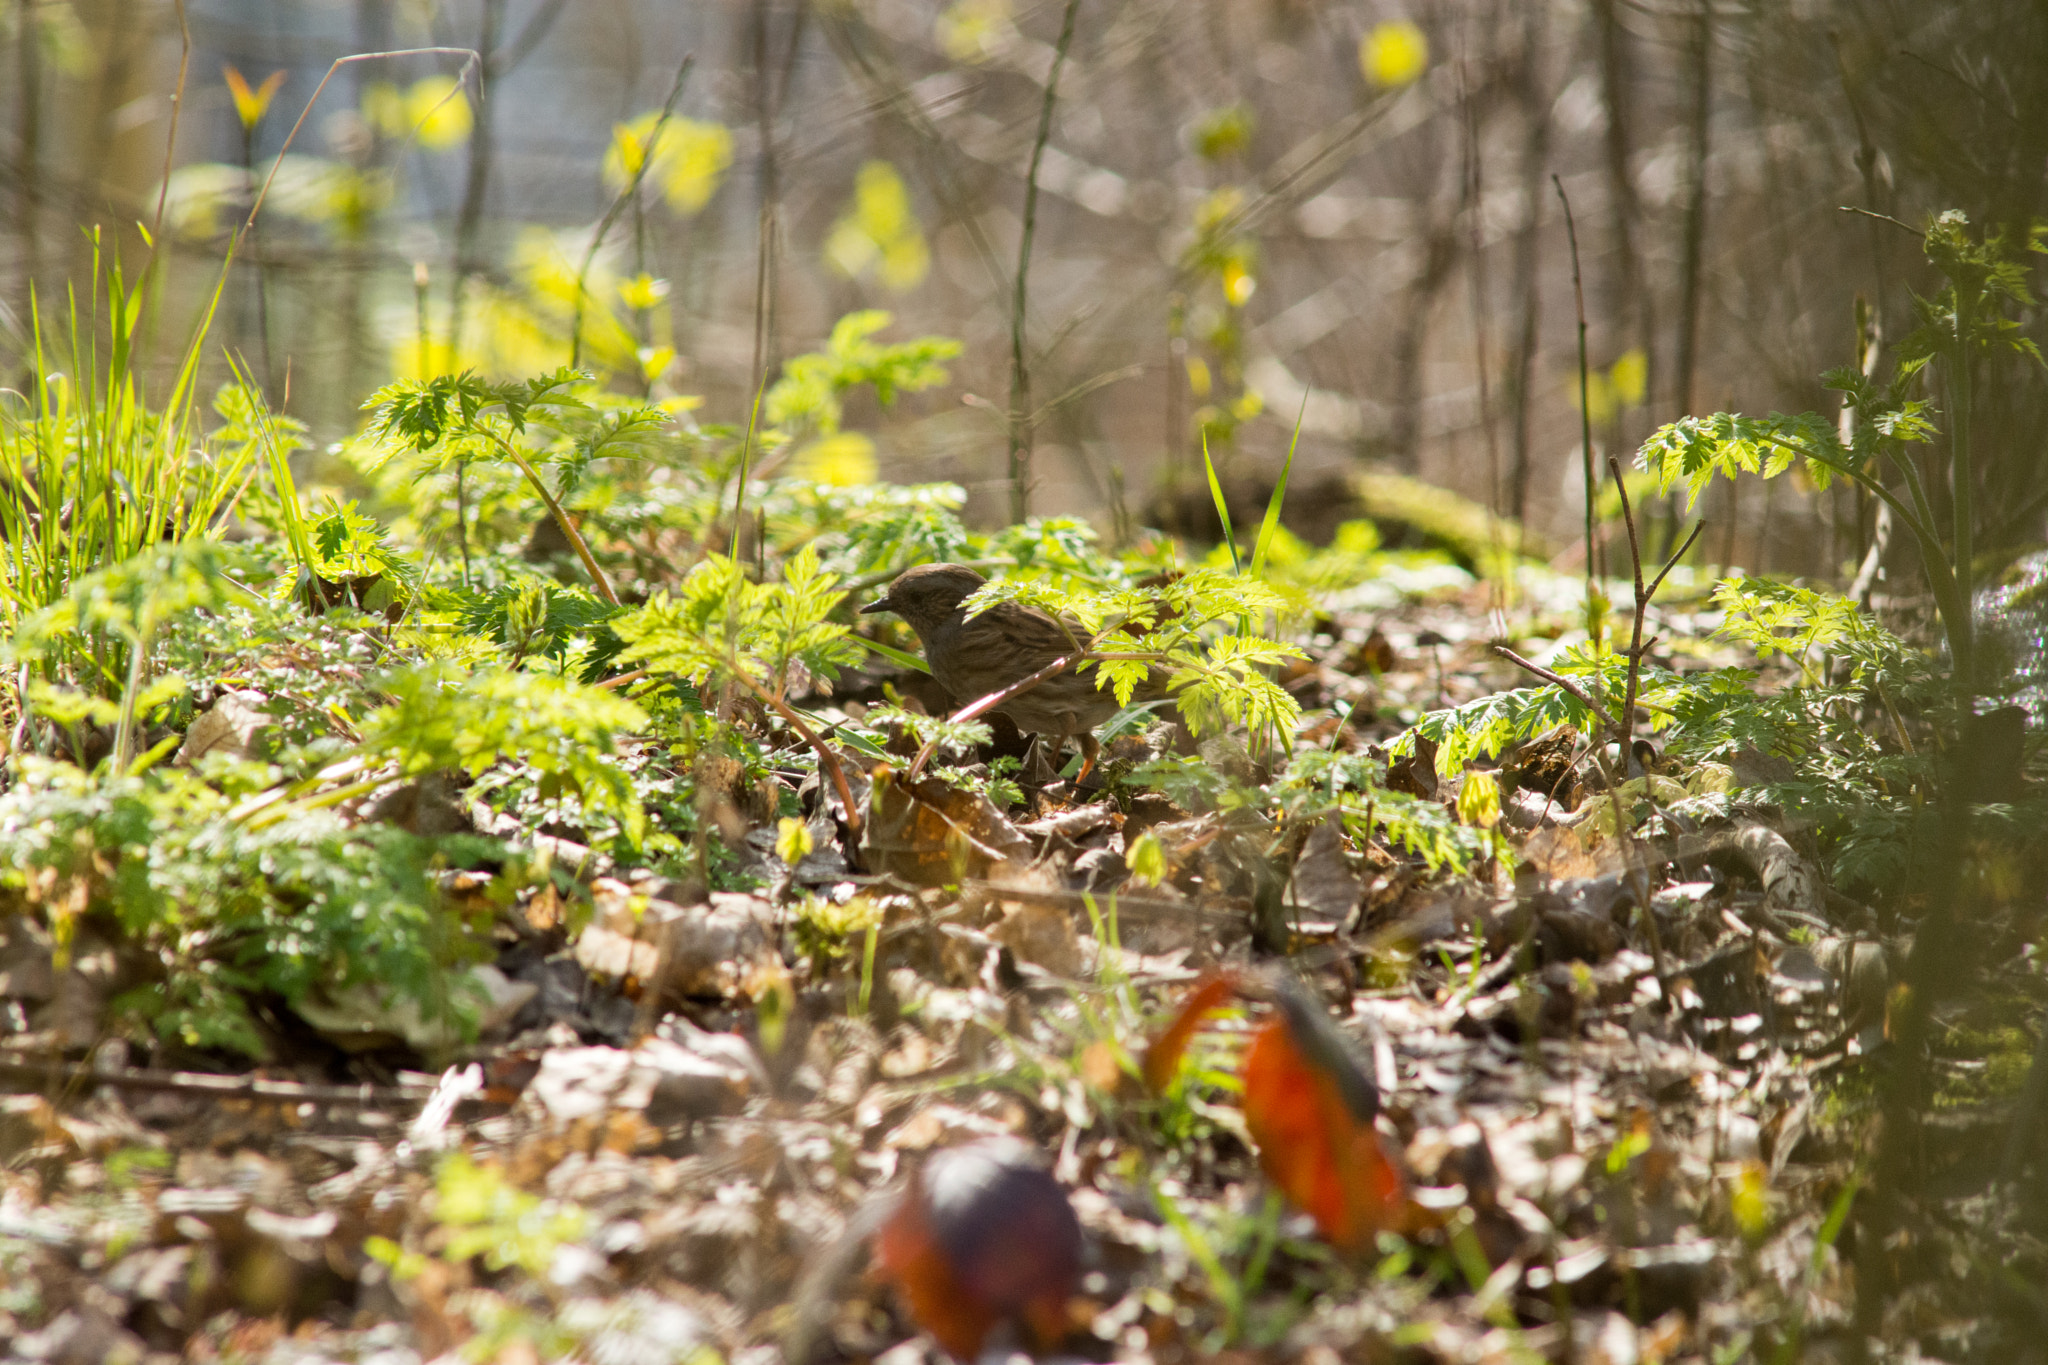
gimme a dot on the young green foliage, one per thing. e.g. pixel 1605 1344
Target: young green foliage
pixel 807 399
pixel 439 720
pixel 1783 619
pixel 1972 316
pixel 1319 781
pixel 1217 678
pixel 467 418
pixel 719 626
pixel 1837 724
pixel 534 617
pixel 223 911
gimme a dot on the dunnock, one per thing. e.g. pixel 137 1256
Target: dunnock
pixel 974 657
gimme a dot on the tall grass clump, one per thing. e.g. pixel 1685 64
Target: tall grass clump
pixel 93 474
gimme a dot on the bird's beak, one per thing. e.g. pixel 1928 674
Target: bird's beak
pixel 879 604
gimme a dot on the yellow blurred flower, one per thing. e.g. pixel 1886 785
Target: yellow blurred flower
pixel 1479 800
pixel 1238 283
pixel 643 291
pixel 654 360
pixel 1749 1202
pixel 1395 53
pixel 1199 382
pixel 843 459
pixel 315 190
pixel 439 109
pixel 1624 384
pixel 547 267
pixel 435 110
pixel 1217 207
pixel 196 194
pixel 879 232
pixel 792 840
pixel 1599 396
pixel 972 31
pixel 383 109
pixel 1628 377
pixel 691 158
pixel 1224 132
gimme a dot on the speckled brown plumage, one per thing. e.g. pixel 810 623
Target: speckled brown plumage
pixel 972 658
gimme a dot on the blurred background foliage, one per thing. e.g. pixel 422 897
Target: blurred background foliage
pixel 1248 208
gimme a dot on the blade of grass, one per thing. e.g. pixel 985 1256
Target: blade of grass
pixel 894 655
pixel 763 264
pixel 1225 1286
pixel 1272 521
pixel 1222 507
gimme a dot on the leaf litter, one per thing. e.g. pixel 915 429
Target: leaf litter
pixel 1602 1063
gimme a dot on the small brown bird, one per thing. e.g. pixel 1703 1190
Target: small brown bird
pixel 972 658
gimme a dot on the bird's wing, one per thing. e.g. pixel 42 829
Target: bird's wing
pixel 1030 637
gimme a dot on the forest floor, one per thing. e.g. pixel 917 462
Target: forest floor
pixel 1628 1080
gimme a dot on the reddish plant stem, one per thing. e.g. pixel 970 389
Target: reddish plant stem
pixel 827 760
pixel 984 705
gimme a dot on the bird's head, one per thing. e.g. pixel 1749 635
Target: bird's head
pixel 927 595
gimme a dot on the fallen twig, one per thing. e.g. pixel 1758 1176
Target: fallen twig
pixel 213 1085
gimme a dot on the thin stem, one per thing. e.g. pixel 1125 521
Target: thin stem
pixel 1567 686
pixel 1641 609
pixel 1535 151
pixel 163 189
pixel 1962 476
pixel 561 516
pixel 1585 385
pixel 1693 248
pixel 761 266
pixel 1020 372
pixel 27 166
pixel 770 94
pixel 262 270
pixel 626 196
pixel 1642 604
pixel 469 218
pixel 1499 577
pixel 1676 556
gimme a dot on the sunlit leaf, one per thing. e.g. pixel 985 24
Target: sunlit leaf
pixel 1146 859
pixel 251 105
pixel 792 840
